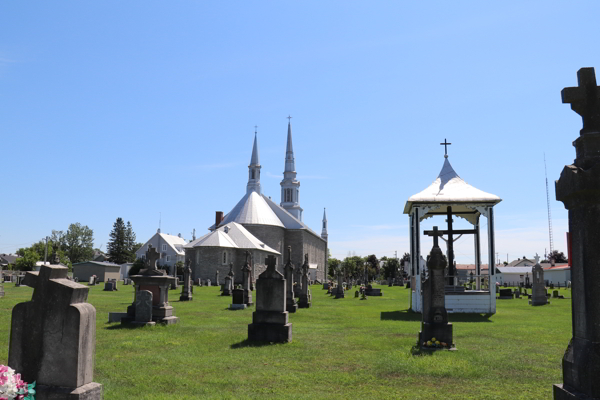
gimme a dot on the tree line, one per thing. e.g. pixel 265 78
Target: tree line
pixel 355 267
pixel 77 245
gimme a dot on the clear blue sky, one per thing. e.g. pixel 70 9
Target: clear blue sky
pixel 129 109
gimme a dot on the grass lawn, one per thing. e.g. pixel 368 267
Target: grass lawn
pixel 345 348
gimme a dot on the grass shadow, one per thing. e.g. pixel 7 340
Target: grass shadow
pixel 417 351
pixel 403 315
pixel 248 343
pixel 466 317
pixel 122 326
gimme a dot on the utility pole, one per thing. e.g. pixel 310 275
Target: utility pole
pixel 46 251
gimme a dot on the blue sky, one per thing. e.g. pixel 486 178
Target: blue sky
pixel 131 109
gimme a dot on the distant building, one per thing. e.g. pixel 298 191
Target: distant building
pixel 7 260
pixel 99 256
pixel 103 271
pixel 170 248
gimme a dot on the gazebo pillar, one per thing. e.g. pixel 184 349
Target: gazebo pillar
pixel 477 254
pixel 492 258
pixel 415 253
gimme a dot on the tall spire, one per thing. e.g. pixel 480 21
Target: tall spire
pixel 254 168
pixel 324 231
pixel 290 187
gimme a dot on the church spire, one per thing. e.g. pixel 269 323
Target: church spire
pixel 254 168
pixel 324 231
pixel 290 187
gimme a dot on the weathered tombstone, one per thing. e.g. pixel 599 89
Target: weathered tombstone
pixel 228 288
pixel 92 281
pixel 157 282
pixel 370 291
pixel 186 289
pixel 53 337
pixel 270 320
pixel 305 295
pixel 298 288
pixel 174 282
pixel 109 286
pixel 339 294
pixel 237 299
pixel 208 282
pixel 291 306
pixel 247 281
pixel 326 286
pixel 538 292
pixel 555 294
pixel 579 189
pixel 143 308
pixel 506 294
pixel 217 278
pixel 198 282
pixel 356 293
pixel 434 323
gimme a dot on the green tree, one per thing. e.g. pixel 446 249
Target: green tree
pixel 138 265
pixel 27 260
pixel 130 243
pixel 391 265
pixel 558 256
pixel 117 244
pixel 79 243
pixel 332 267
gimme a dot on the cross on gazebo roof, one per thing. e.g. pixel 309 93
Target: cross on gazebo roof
pixel 445 144
pixel 585 99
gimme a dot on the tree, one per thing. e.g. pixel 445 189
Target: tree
pixel 137 266
pixel 558 256
pixel 372 265
pixel 27 260
pixel 391 265
pixel 79 242
pixel 130 243
pixel 117 244
pixel 332 267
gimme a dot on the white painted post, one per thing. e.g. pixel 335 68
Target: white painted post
pixel 492 259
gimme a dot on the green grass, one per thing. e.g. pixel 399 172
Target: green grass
pixel 341 348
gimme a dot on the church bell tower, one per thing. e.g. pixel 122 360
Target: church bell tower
pixel 254 169
pixel 290 187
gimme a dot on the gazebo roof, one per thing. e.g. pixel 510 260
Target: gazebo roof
pixel 450 189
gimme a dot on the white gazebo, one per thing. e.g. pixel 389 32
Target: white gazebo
pixel 450 196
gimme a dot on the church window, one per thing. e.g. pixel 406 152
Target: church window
pixel 224 257
pixel 323 224
pixel 253 174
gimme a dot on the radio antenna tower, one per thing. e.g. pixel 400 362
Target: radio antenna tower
pixel 549 213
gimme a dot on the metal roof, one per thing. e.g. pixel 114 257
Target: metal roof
pixel 450 188
pixel 231 235
pixel 252 209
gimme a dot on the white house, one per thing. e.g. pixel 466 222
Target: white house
pixel 170 248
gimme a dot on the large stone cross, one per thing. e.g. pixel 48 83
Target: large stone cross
pixel 537 259
pixel 152 256
pixel 585 99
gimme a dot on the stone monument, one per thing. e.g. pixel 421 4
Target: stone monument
pixel 270 320
pixel 305 295
pixel 291 306
pixel 157 282
pixel 579 189
pixel 339 294
pixel 435 317
pixel 217 278
pixel 228 288
pixel 186 289
pixel 53 337
pixel 538 292
pixel 247 281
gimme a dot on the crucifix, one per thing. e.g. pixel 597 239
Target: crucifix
pixel 449 242
pixel 445 144
pixel 289 117
pixel 585 99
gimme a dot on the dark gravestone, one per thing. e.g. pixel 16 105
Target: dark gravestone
pixel 579 189
pixel 538 291
pixel 229 279
pixel 290 306
pixel 247 281
pixel 369 291
pixel 305 296
pixel 109 286
pixel 143 308
pixel 270 320
pixel 186 289
pixel 434 323
pixel 339 294
pixel 53 337
pixel 506 294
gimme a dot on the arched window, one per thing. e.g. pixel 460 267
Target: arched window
pixel 253 174
pixel 224 257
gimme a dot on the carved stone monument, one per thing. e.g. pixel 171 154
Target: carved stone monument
pixel 270 320
pixel 157 282
pixel 538 292
pixel 305 295
pixel 186 289
pixel 291 306
pixel 228 288
pixel 339 294
pixel 579 189
pixel 247 281
pixel 435 317
pixel 53 337
pixel 217 278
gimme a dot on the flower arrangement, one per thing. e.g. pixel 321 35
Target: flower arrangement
pixel 433 343
pixel 13 387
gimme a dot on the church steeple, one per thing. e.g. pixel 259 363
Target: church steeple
pixel 254 168
pixel 290 187
pixel 324 231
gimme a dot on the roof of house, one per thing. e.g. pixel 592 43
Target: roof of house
pixel 231 235
pixel 9 258
pixel 175 242
pixel 521 262
pixel 514 270
pixel 100 263
pixel 471 266
pixel 557 267
pixel 450 188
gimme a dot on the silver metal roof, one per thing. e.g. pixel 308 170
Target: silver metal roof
pixel 514 270
pixel 231 235
pixel 252 209
pixel 450 188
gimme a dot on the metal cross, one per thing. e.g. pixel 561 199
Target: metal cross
pixel 585 99
pixel 289 117
pixel 445 144
pixel 255 127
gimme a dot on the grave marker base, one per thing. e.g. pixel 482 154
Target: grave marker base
pixel 90 391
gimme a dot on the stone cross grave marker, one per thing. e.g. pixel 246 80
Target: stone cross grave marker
pixel 53 337
pixel 585 99
pixel 291 306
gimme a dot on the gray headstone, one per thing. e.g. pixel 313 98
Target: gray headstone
pixel 143 306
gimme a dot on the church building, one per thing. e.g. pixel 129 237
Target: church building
pixel 261 227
